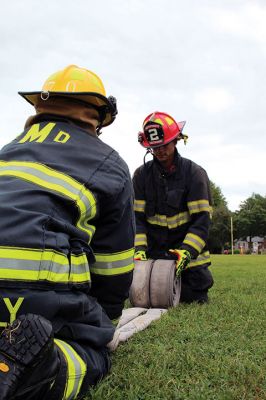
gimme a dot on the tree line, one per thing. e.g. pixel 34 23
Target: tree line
pixel 248 221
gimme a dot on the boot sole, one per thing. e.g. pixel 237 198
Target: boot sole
pixel 20 347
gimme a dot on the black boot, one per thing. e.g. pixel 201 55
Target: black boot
pixel 28 358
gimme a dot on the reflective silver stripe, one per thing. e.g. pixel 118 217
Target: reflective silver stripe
pixel 203 258
pixel 76 369
pixel 158 220
pixel 178 219
pixel 37 265
pixel 139 205
pixel 169 222
pixel 198 206
pixel 113 264
pixel 140 239
pixel 28 265
pixel 55 181
pixel 194 241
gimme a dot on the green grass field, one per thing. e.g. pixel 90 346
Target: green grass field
pixel 209 352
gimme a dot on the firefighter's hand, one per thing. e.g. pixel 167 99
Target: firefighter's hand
pixel 183 259
pixel 140 256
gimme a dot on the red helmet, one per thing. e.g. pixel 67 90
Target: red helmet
pixel 159 129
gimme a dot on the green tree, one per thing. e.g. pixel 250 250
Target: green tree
pixel 250 220
pixel 220 227
pixel 218 198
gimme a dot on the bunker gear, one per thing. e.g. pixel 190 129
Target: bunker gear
pixel 173 211
pixel 66 244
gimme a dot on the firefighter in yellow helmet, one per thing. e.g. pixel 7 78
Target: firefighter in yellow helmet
pixel 173 207
pixel 66 242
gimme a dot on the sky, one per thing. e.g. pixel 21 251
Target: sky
pixel 202 61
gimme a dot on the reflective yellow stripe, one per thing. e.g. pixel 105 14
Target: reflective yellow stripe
pixel 38 265
pixel 194 241
pixel 139 205
pixel 113 264
pixel 55 181
pixel 198 206
pixel 117 271
pixel 157 219
pixel 80 271
pixel 76 370
pixel 169 222
pixel 178 219
pixel 202 259
pixel 140 239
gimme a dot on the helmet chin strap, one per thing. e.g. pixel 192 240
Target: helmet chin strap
pixel 103 110
pixel 147 152
pixel 98 130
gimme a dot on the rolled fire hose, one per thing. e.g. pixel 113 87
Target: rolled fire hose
pixel 155 288
pixel 155 284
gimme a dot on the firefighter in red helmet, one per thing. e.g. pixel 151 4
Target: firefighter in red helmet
pixel 173 207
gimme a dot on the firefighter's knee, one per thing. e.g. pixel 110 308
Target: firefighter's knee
pixel 85 367
pixel 98 366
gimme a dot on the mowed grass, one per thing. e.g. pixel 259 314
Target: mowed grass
pixel 200 352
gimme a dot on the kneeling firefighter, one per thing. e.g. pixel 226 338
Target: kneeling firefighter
pixel 66 242
pixel 173 207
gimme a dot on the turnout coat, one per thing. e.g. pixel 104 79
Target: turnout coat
pixel 66 214
pixel 173 210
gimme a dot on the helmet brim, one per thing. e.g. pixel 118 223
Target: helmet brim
pixel 87 97
pixel 147 145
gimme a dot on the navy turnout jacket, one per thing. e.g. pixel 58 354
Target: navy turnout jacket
pixel 66 214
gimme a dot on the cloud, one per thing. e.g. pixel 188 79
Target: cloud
pixel 203 62
pixel 214 100
pixel 247 21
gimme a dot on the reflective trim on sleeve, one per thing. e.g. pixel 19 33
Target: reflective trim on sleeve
pixel 76 370
pixel 141 239
pixel 194 241
pixel 199 206
pixel 202 259
pixel 169 222
pixel 37 265
pixel 139 205
pixel 113 264
pixel 58 182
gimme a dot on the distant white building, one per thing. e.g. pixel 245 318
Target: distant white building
pixel 258 245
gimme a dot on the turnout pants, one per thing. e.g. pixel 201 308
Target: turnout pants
pixel 81 331
pixel 195 283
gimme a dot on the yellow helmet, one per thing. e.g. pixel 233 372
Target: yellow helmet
pixel 79 84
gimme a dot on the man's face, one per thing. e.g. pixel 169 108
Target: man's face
pixel 165 153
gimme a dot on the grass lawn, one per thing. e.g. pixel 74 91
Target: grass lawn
pixel 209 352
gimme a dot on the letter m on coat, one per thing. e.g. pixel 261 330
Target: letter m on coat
pixel 35 134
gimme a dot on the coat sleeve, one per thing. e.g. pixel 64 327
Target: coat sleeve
pixel 199 205
pixel 139 209
pixel 113 247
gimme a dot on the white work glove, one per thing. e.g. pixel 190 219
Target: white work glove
pixel 124 332
pixel 128 314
